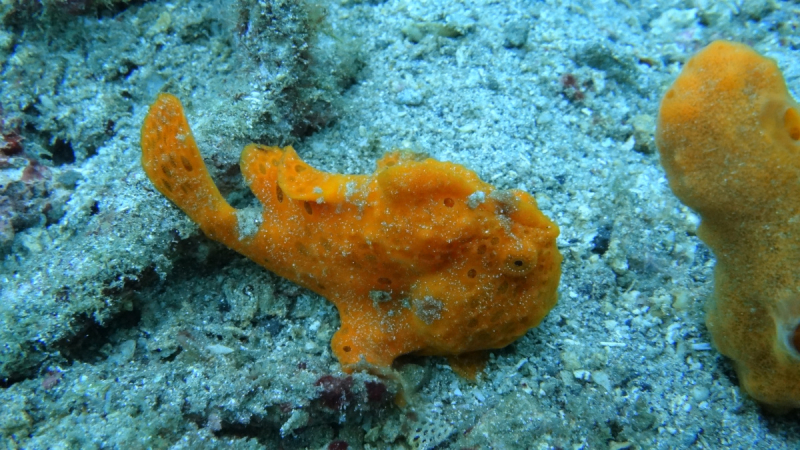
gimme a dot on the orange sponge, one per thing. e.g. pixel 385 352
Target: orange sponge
pixel 728 133
pixel 419 257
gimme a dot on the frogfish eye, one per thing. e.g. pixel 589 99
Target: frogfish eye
pixel 519 264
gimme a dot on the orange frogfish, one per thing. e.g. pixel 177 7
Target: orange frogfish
pixel 420 257
pixel 729 137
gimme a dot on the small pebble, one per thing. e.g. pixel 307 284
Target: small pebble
pixel 515 34
pixel 700 393
pixel 217 349
pixel 410 97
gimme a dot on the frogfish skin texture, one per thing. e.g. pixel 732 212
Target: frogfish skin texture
pixel 419 257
